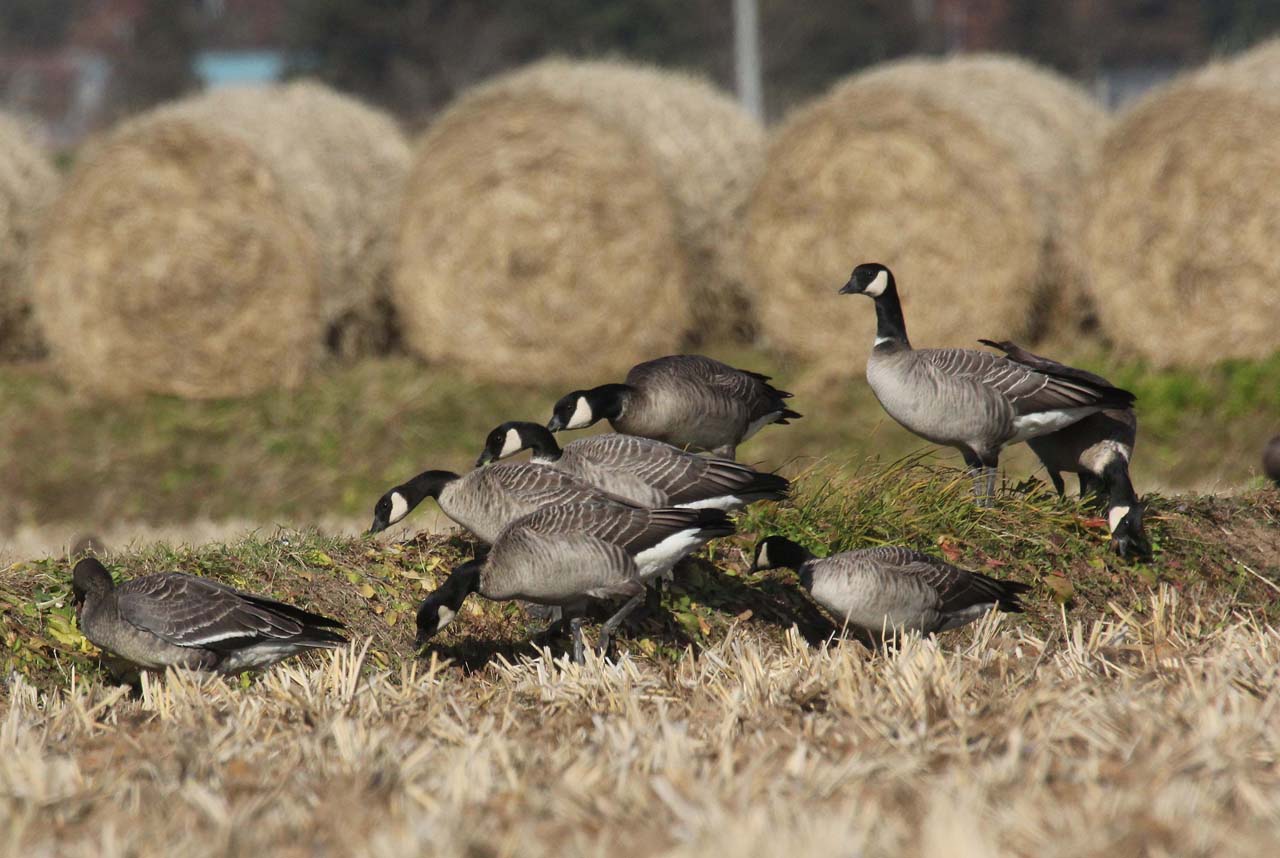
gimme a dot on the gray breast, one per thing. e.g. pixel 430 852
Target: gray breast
pixel 936 405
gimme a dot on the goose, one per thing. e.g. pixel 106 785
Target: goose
pixel 972 400
pixel 1097 449
pixel 643 471
pixel 688 401
pixel 568 554
pixel 1271 460
pixel 486 499
pixel 889 589
pixel 172 619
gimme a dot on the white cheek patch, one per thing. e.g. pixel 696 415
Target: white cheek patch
pixel 582 416
pixel 762 559
pixel 399 507
pixel 1116 515
pixel 512 444
pixel 877 286
pixel 444 617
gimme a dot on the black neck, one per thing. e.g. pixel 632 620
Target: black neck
pixel 608 401
pixel 428 484
pixel 541 441
pixel 890 326
pixel 1118 486
pixel 462 582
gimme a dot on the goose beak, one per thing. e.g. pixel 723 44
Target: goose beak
pixel 485 458
pixel 377 527
pixel 850 288
pixel 555 424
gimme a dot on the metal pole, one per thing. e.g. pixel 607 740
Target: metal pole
pixel 746 54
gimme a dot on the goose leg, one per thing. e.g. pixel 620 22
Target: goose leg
pixel 611 624
pixel 977 466
pixel 575 629
pixel 1058 484
pixel 990 471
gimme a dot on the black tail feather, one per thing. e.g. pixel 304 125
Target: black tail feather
pixel 284 609
pixel 1010 593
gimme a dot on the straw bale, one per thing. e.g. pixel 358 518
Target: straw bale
pixel 960 174
pixel 1184 219
pixel 28 183
pixel 211 247
pixel 573 215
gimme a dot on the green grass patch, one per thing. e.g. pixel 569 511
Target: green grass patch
pixel 1222 553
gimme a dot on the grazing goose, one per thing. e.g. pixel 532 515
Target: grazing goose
pixel 974 401
pixel 565 555
pixel 643 471
pixel 171 619
pixel 487 499
pixel 1271 460
pixel 1097 449
pixel 688 401
pixel 889 589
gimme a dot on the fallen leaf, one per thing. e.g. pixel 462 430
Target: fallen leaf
pixel 367 591
pixel 1063 590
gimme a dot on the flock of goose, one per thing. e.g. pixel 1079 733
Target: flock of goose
pixel 605 517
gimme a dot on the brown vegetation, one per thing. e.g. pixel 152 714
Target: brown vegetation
pixel 960 174
pixel 567 208
pixel 204 249
pixel 1183 225
pixel 1151 730
pixel 27 185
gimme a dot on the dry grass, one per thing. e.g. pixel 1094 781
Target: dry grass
pixel 1117 716
pixel 28 183
pixel 960 174
pixel 1182 226
pixel 1151 731
pixel 211 247
pixel 569 206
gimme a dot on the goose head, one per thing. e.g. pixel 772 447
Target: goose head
pixel 513 436
pixel 775 552
pixel 1128 535
pixel 582 408
pixel 89 579
pixel 871 279
pixel 398 502
pixel 442 605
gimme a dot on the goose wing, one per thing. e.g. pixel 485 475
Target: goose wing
pixel 683 477
pixel 750 391
pixel 630 528
pixel 196 612
pixel 1028 390
pixel 1018 354
pixel 540 485
pixel 957 588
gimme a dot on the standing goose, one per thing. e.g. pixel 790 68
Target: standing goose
pixel 974 401
pixel 171 619
pixel 645 472
pixel 1097 450
pixel 889 589
pixel 688 401
pixel 566 555
pixel 487 499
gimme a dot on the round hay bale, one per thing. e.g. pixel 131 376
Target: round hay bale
pixel 27 185
pixel 563 220
pixel 960 174
pixel 1184 221
pixel 209 247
